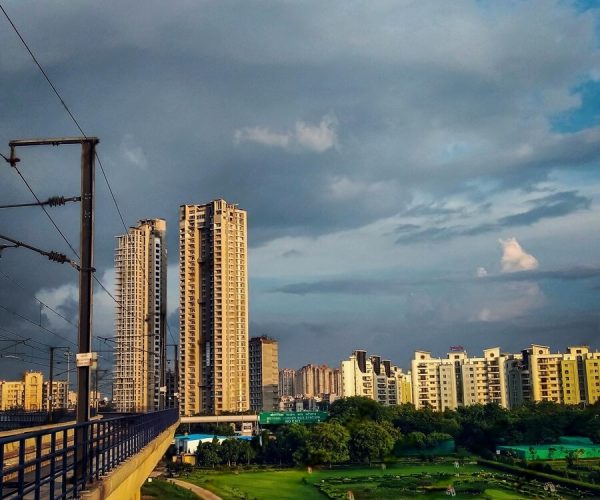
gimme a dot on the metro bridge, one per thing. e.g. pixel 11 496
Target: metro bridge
pixel 109 458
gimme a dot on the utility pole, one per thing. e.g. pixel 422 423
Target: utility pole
pixel 51 384
pixel 88 154
pixel 85 357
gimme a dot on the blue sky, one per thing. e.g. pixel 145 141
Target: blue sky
pixel 417 174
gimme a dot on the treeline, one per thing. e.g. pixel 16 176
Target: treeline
pixel 360 430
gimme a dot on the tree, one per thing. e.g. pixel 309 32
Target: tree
pixel 328 443
pixel 370 440
pixel 435 438
pixel 291 442
pixel 572 456
pixel 246 452
pixel 357 409
pixel 208 453
pixel 416 440
pixel 229 451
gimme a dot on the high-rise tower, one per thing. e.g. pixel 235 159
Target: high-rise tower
pixel 141 285
pixel 213 308
pixel 264 374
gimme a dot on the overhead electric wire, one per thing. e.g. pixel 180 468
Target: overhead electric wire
pixel 19 284
pixel 76 122
pixel 46 212
pixel 53 201
pixel 28 340
pixel 14 313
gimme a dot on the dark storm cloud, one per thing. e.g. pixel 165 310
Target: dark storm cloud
pixel 291 253
pixel 571 274
pixel 554 205
pixel 395 287
pixel 427 98
pixel 551 206
pixel 334 341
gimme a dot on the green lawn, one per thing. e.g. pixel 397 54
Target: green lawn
pixel 410 479
pixel 260 484
pixel 298 484
pixel 162 489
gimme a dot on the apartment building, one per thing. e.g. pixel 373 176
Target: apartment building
pixel 25 394
pixel 510 380
pixel 287 383
pixel 213 304
pixel 316 381
pixel 264 374
pixel 375 378
pixel 59 395
pixel 141 293
pixel 545 377
pixel 580 375
pixel 434 381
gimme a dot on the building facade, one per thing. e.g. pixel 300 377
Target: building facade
pixel 317 381
pixel 375 378
pixel 287 382
pixel 25 394
pixel 460 380
pixel 510 380
pixel 141 292
pixel 59 396
pixel 264 374
pixel 213 305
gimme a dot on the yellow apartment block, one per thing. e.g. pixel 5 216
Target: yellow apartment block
pixel 580 370
pixel 141 292
pixel 535 374
pixel 213 308
pixel 26 394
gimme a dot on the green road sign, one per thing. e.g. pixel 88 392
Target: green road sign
pixel 291 417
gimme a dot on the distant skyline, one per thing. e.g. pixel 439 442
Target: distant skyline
pixel 417 174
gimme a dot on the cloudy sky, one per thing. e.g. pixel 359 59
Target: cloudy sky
pixel 417 174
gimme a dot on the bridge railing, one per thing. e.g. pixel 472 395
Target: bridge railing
pixel 60 462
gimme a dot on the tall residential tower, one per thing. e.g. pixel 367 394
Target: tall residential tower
pixel 141 292
pixel 264 374
pixel 213 309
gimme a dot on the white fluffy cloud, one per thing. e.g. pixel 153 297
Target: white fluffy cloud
pixel 133 153
pixel 510 300
pixel 262 135
pixel 514 258
pixel 317 138
pixel 64 299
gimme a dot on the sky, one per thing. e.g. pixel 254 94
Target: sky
pixel 417 174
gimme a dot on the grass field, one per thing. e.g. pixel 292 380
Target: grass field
pixel 364 482
pixel 162 489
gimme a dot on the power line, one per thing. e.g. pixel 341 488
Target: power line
pixel 14 313
pixel 54 256
pixel 53 201
pixel 64 104
pixel 76 122
pixel 28 340
pixel 19 284
pixel 40 68
pixel 46 211
pixel 72 116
